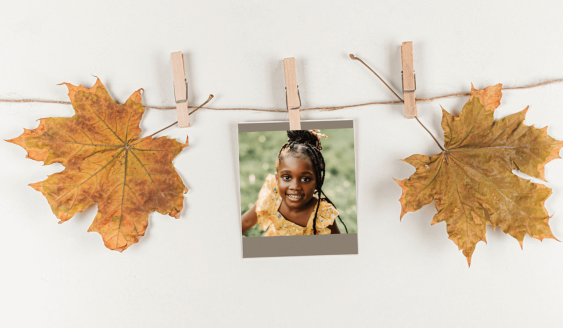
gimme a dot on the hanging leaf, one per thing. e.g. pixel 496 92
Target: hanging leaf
pixel 472 182
pixel 106 164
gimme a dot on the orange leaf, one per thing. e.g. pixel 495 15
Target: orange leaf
pixel 472 182
pixel 106 164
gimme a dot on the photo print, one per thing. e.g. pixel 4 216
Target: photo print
pixel 297 189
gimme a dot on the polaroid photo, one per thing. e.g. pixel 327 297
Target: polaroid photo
pixel 297 189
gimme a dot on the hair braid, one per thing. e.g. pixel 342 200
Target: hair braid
pixel 308 142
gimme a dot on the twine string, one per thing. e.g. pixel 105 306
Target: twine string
pixel 329 108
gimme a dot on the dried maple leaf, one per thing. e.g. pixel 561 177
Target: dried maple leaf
pixel 472 182
pixel 106 163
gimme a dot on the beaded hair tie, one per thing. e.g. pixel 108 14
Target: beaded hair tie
pixel 317 133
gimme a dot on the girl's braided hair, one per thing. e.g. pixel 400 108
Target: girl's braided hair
pixel 307 143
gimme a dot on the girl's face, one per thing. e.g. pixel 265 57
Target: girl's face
pixel 296 181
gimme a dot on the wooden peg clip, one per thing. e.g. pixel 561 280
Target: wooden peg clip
pixel 180 89
pixel 292 94
pixel 409 80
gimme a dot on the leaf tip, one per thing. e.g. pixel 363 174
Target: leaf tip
pixel 72 89
pixel 116 241
pixel 137 96
pixel 98 81
pixel 401 184
pixel 63 217
pixel 20 141
pixel 37 186
pixel 467 251
pixel 175 213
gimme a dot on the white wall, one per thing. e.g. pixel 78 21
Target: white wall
pixel 189 272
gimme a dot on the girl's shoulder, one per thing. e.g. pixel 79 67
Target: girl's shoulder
pixel 270 187
pixel 268 202
pixel 271 180
pixel 326 216
pixel 327 208
pixel 269 197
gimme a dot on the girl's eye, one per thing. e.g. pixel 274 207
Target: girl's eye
pixel 305 179
pixel 286 177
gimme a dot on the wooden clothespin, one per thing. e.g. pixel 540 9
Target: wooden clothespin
pixel 292 94
pixel 409 80
pixel 180 89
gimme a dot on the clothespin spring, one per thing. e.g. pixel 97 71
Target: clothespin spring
pixel 298 95
pixel 187 94
pixel 403 84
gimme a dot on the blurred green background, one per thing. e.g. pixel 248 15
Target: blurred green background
pixel 257 157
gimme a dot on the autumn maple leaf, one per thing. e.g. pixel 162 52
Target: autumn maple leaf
pixel 471 181
pixel 106 164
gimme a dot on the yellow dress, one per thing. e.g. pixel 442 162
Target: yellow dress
pixel 269 201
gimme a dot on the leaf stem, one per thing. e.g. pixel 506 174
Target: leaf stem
pixel 205 103
pixel 193 111
pixel 396 95
pixel 366 65
pixel 429 133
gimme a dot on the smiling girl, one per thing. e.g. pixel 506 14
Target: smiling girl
pixel 287 204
